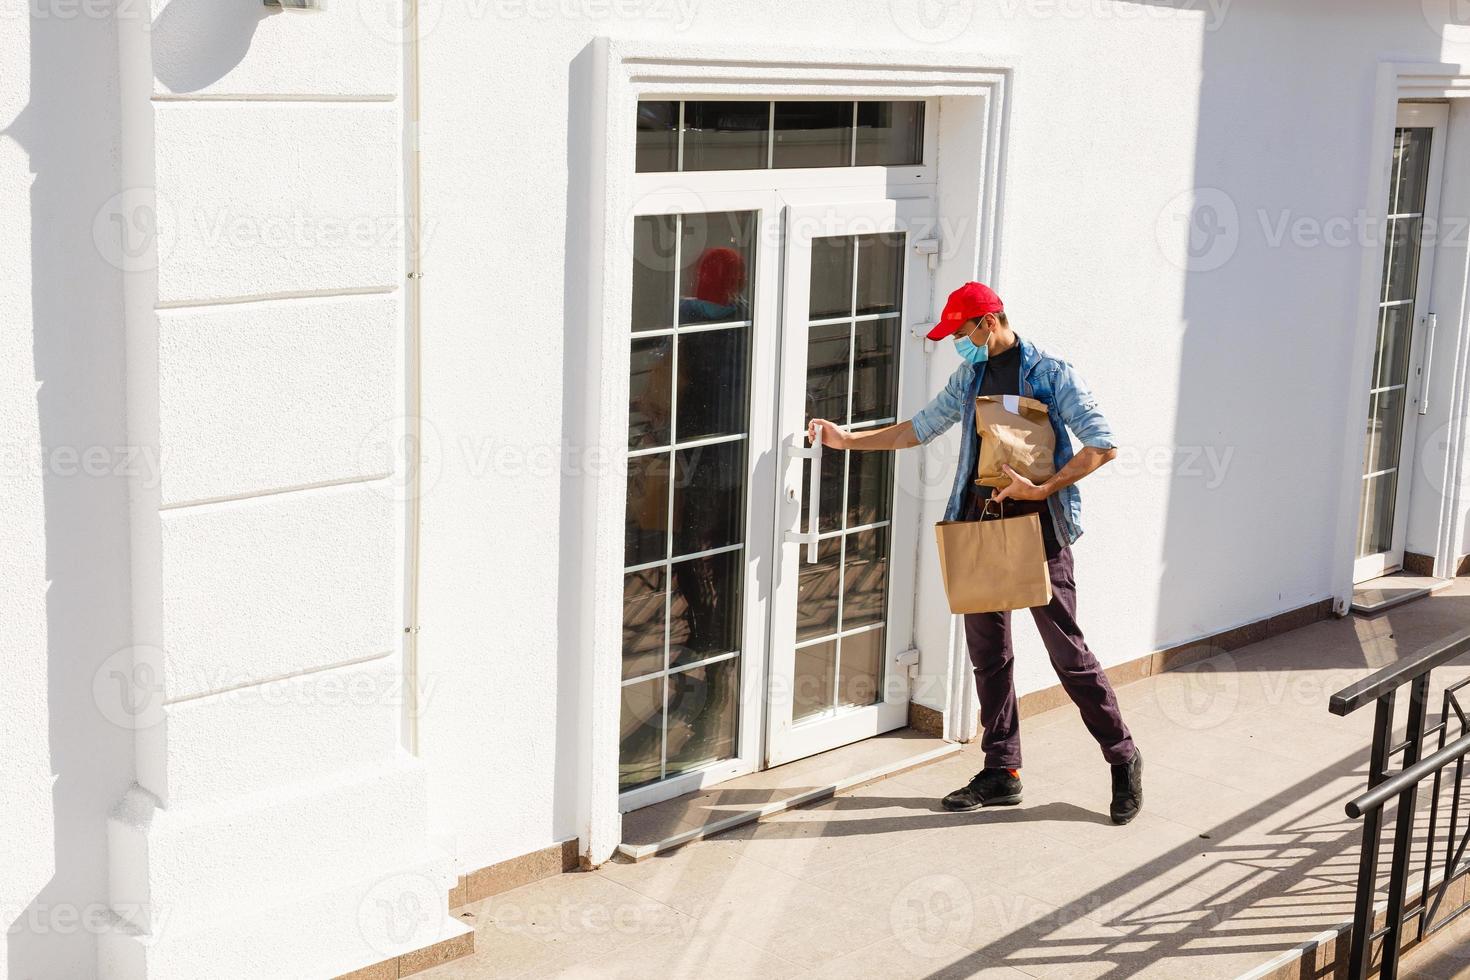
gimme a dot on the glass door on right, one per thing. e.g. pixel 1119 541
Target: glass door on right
pixel 1404 310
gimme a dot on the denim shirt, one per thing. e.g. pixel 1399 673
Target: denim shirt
pixel 1070 405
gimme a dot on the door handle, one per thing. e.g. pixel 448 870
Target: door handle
pixel 814 453
pixel 1430 322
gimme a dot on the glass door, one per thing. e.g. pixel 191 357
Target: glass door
pixel 1404 307
pixel 842 615
pixel 700 413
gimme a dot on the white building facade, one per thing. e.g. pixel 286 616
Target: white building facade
pixel 405 472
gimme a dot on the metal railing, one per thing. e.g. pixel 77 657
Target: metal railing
pixel 1403 785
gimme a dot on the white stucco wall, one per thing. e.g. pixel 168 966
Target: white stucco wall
pixel 1220 381
pixel 63 483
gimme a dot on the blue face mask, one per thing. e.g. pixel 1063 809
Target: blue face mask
pixel 971 352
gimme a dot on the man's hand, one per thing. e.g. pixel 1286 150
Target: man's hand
pixel 1020 488
pixel 833 437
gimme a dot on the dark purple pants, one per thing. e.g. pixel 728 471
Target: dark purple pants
pixel 988 636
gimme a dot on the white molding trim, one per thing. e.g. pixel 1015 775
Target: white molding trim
pixel 618 73
pixel 1396 82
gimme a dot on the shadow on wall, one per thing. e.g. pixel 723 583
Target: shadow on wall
pixel 1257 308
pixel 69 130
pixel 198 42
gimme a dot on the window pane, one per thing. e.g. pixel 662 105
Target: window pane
pixel 643 622
pixel 875 370
pixel 703 704
pixel 811 692
pixel 813 134
pixel 1385 423
pixel 653 271
pixel 1394 329
pixel 890 134
pixel 649 391
pixel 880 273
pixel 1401 259
pixel 709 497
pixel 714 367
pixel 816 591
pixel 831 286
pixel 869 488
pixel 705 607
pixel 647 515
pixel 860 670
pixel 717 251
pixel 658 137
pixel 726 135
pixel 1411 170
pixel 827 353
pixel 1376 522
pixel 641 744
pixel 829 503
pixel 865 578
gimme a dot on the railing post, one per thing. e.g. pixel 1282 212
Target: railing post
pixel 1403 838
pixel 1368 855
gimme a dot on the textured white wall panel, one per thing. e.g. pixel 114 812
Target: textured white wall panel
pixel 264 588
pixel 266 396
pixel 263 198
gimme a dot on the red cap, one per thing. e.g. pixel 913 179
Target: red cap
pixel 970 302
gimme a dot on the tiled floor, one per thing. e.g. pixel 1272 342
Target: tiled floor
pixel 1243 850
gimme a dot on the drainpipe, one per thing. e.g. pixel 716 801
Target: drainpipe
pixel 412 436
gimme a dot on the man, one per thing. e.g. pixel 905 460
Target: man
pixel 998 362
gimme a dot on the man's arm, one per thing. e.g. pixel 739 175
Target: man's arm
pixel 1088 458
pixel 891 437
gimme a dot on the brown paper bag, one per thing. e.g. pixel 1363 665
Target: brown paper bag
pixel 1015 431
pixel 993 565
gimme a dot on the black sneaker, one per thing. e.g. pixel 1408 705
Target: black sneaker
pixel 990 787
pixel 1128 788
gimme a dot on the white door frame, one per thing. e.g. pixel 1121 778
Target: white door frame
pixel 608 81
pixel 1433 116
pixel 1398 82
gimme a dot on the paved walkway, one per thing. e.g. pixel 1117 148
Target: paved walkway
pixel 1241 853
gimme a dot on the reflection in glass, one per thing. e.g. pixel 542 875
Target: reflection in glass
pixel 713 370
pixel 709 497
pixel 869 488
pixel 703 703
pixel 643 622
pixel 717 249
pixel 726 135
pixel 816 591
pixel 880 273
pixel 813 134
pixel 649 390
pixel 1385 425
pixel 890 134
pixel 1376 522
pixel 1395 328
pixel 816 669
pixel 875 370
pixel 654 241
pixel 705 607
pixel 827 351
pixel 658 137
pixel 864 579
pixel 640 745
pixel 831 282
pixel 647 509
pixel 1401 259
pixel 1411 170
pixel 860 669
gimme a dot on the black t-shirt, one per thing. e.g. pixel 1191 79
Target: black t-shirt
pixel 1003 377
